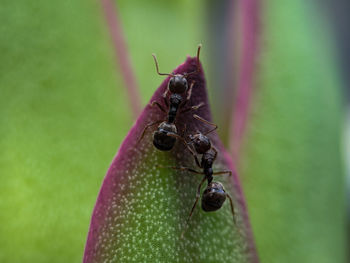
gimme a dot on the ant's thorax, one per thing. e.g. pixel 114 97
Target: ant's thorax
pixel 175 102
pixel 207 164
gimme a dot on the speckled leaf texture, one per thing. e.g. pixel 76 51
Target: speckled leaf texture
pixel 142 208
pixel 291 158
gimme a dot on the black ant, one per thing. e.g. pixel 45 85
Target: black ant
pixel 214 195
pixel 165 137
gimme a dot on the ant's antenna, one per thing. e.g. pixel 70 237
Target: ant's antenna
pixel 162 74
pixel 198 67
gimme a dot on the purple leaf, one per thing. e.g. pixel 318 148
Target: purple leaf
pixel 142 208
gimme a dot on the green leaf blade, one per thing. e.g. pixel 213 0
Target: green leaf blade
pixel 142 208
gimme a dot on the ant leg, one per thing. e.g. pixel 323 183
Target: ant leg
pixel 196 107
pixel 147 126
pixel 165 93
pixel 232 208
pixel 215 154
pixel 189 94
pixel 223 172
pixel 164 98
pixel 158 104
pixel 207 122
pixel 190 149
pixel 186 145
pixel 198 195
pixel 162 74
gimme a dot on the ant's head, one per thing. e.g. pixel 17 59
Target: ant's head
pixel 178 84
pixel 213 197
pixel 200 142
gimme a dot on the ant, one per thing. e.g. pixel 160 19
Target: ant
pixel 214 195
pixel 165 137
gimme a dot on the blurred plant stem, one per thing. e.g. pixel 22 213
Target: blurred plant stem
pixel 122 55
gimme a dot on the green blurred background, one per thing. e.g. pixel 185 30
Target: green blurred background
pixel 64 111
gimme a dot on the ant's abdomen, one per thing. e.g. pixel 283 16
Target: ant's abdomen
pixel 213 197
pixel 161 140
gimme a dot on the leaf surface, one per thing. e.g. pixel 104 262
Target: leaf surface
pixel 64 111
pixel 142 208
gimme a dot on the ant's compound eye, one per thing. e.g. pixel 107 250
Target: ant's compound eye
pixel 171 82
